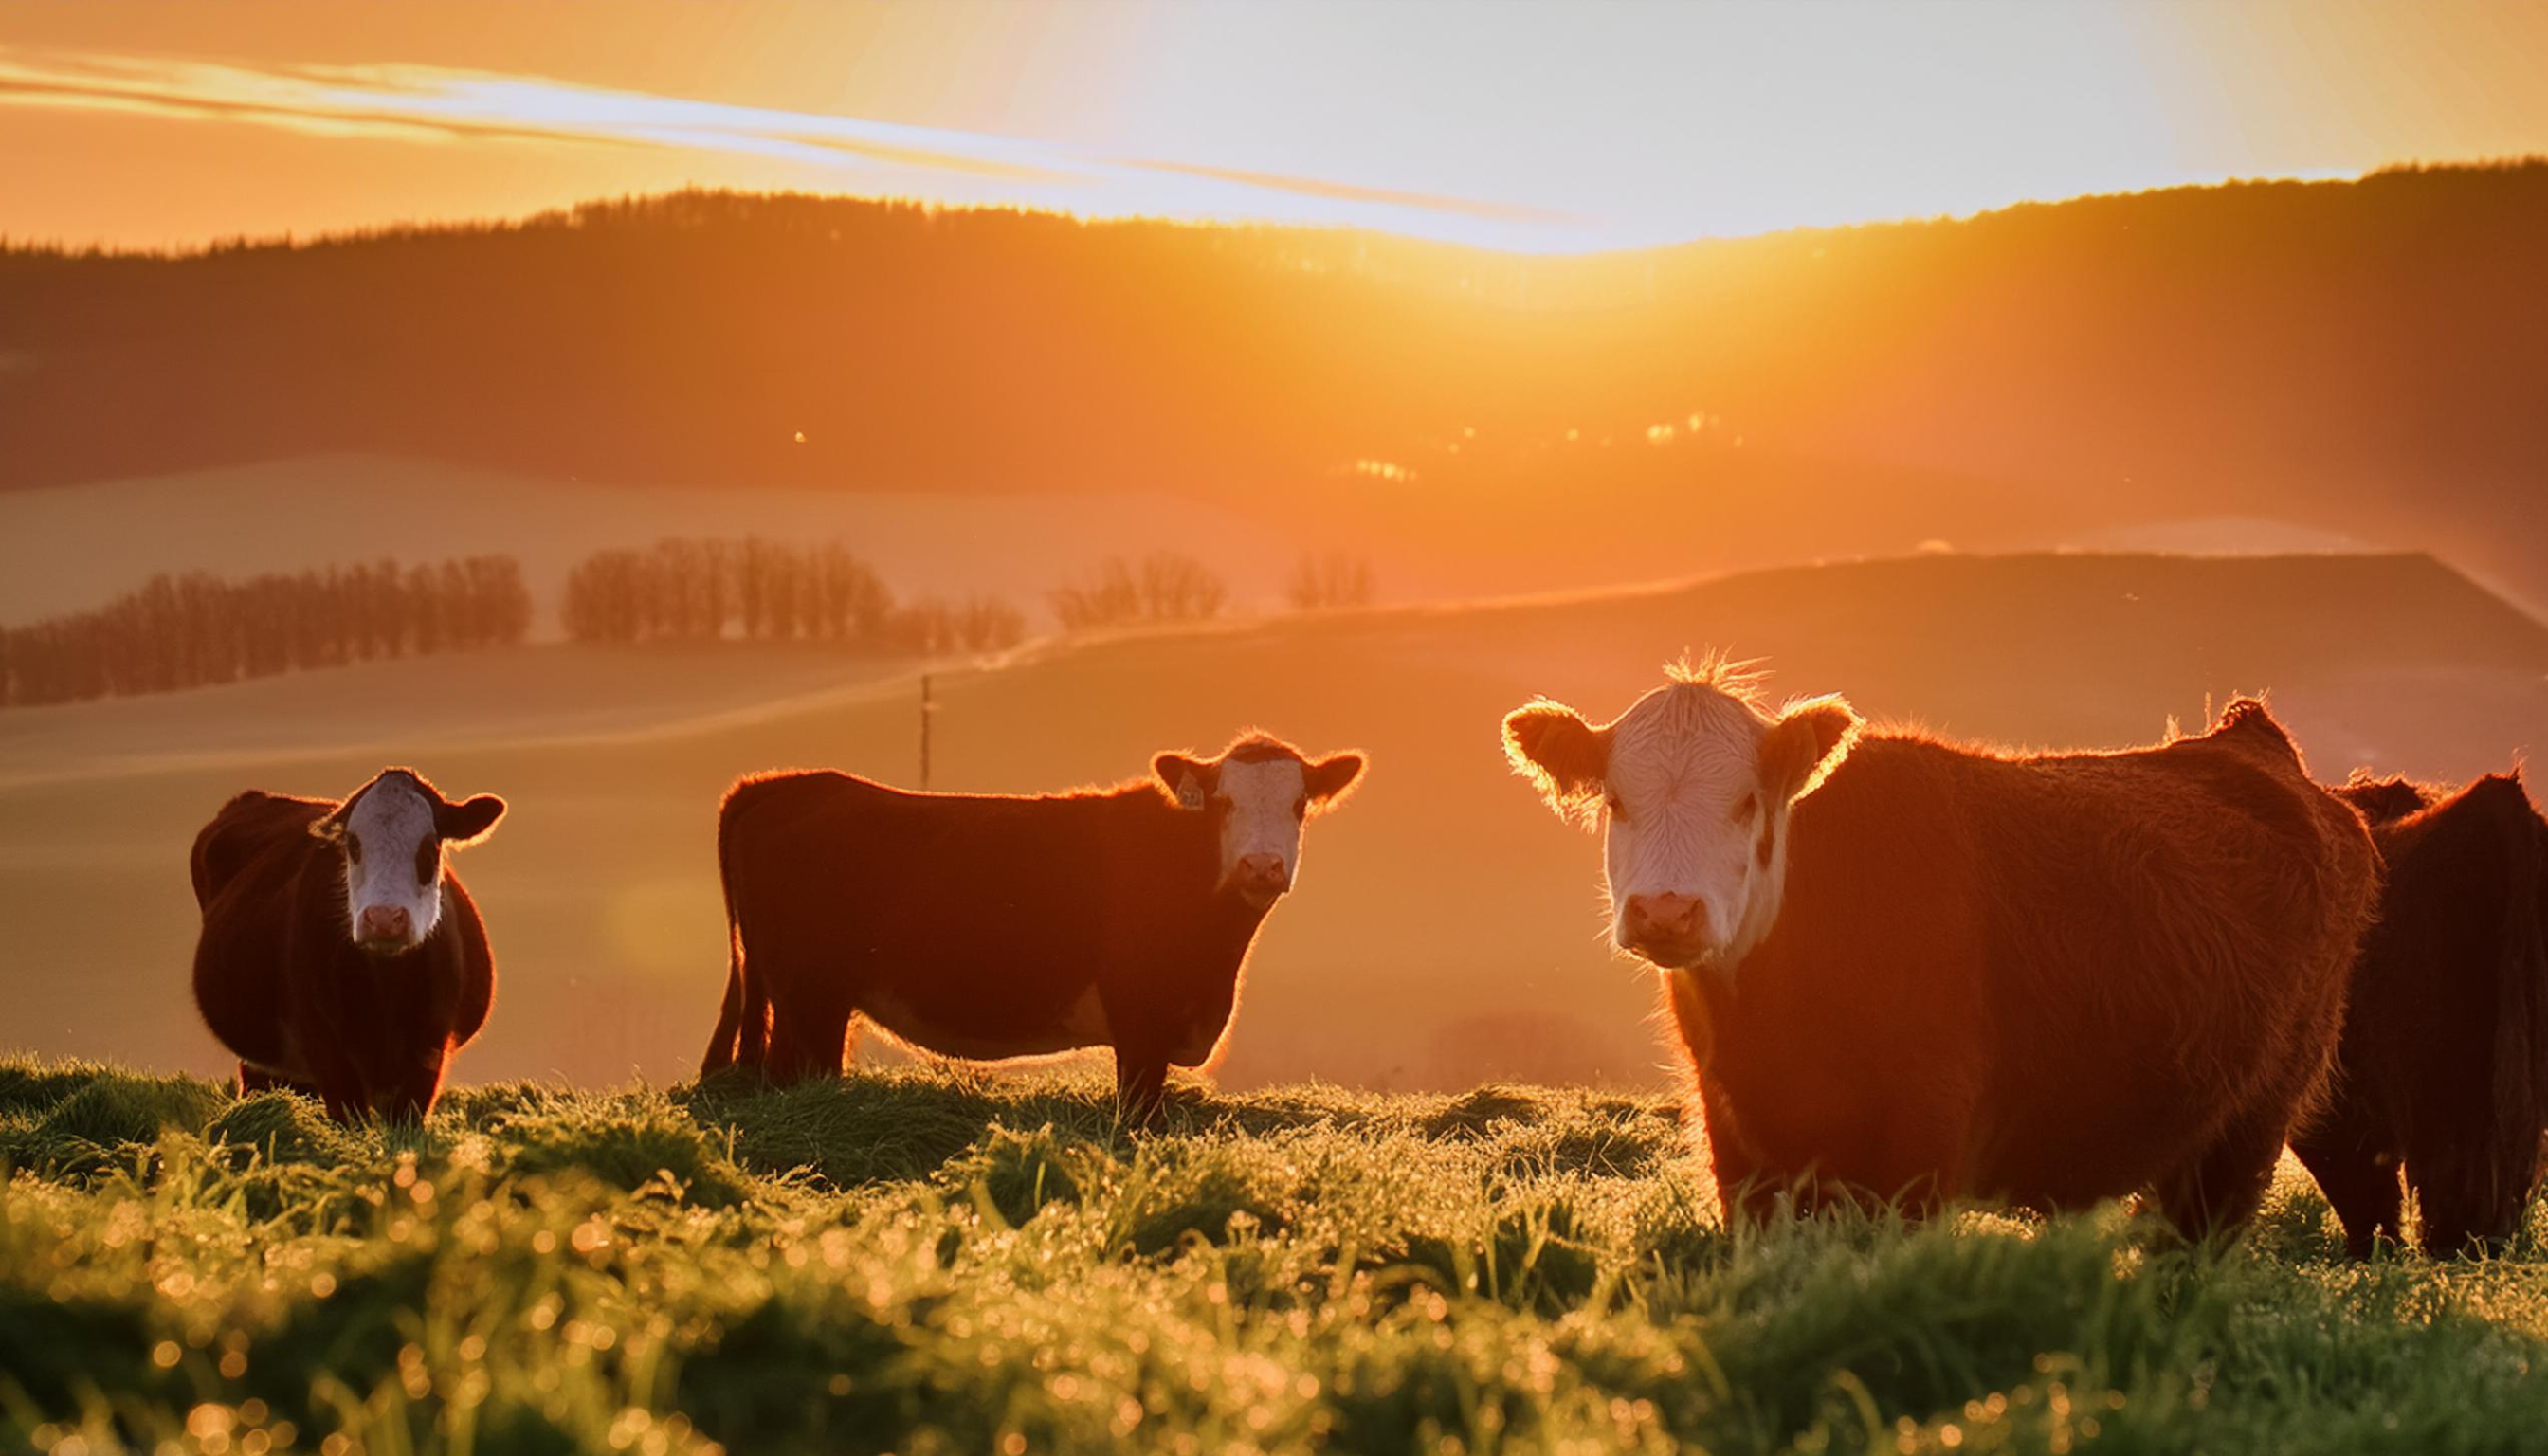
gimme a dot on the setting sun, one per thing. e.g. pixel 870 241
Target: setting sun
pixel 1531 127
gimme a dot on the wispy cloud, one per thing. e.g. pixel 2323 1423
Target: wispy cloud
pixel 426 105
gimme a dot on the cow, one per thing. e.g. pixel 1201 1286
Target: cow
pixel 2443 1065
pixel 992 927
pixel 1909 971
pixel 339 955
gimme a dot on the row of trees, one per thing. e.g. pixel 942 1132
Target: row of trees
pixel 1163 586
pixel 1329 580
pixel 689 589
pixel 198 629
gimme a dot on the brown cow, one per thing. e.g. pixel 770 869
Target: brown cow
pixel 988 926
pixel 2445 1062
pixel 1910 970
pixel 339 955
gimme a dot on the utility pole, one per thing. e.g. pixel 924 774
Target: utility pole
pixel 928 711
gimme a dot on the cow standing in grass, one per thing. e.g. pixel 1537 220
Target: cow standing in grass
pixel 987 926
pixel 1914 972
pixel 2443 1067
pixel 339 955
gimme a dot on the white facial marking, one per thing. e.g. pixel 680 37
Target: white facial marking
pixel 1685 815
pixel 1265 802
pixel 393 862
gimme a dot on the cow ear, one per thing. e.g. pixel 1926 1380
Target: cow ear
pixel 331 827
pixel 1328 779
pixel 1187 781
pixel 1808 741
pixel 1564 756
pixel 469 821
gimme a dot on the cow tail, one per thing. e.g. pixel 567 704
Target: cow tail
pixel 743 1017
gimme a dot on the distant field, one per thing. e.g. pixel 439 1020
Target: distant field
pixel 912 1263
pixel 544 694
pixel 1444 931
pixel 68 548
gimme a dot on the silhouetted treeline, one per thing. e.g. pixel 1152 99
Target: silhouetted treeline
pixel 1329 578
pixel 684 590
pixel 1163 586
pixel 2365 357
pixel 198 629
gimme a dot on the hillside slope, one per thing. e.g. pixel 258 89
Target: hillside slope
pixel 2358 356
pixel 1444 928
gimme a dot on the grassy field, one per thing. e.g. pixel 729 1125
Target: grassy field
pixel 1444 931
pixel 915 1263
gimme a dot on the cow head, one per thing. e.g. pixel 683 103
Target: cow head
pixel 1692 786
pixel 391 835
pixel 1258 792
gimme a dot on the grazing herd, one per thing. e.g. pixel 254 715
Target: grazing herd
pixel 1905 971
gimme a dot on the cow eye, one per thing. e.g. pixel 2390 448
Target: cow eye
pixel 1617 810
pixel 353 849
pixel 427 854
pixel 1745 810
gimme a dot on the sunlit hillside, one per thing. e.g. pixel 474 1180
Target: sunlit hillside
pixel 1444 929
pixel 2359 357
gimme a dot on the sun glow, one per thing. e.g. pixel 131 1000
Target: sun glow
pixel 1538 128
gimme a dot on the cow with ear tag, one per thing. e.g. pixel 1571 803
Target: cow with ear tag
pixel 993 927
pixel 1911 971
pixel 339 954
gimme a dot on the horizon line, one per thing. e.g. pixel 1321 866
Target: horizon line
pixel 287 239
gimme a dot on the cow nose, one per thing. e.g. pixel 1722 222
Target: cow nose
pixel 1663 920
pixel 384 923
pixel 1263 871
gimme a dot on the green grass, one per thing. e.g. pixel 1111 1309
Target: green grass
pixel 918 1263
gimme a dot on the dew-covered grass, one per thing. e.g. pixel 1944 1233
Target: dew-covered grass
pixel 917 1262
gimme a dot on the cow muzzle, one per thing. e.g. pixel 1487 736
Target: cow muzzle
pixel 1669 930
pixel 383 929
pixel 1261 880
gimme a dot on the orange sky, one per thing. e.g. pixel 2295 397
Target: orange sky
pixel 1512 124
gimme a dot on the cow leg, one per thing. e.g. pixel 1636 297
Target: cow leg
pixel 413 1096
pixel 807 1041
pixel 1743 1191
pixel 2359 1183
pixel 340 1079
pixel 1141 1086
pixel 2219 1189
pixel 808 1004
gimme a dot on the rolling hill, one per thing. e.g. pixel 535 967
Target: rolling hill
pixel 1444 928
pixel 2362 357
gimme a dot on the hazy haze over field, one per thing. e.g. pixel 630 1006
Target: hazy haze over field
pixel 1444 928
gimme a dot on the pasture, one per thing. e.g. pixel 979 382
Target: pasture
pixel 920 1262
pixel 1444 929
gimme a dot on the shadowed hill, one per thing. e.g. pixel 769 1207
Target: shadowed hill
pixel 2362 356
pixel 1444 929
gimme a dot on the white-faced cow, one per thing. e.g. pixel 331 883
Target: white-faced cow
pixel 339 955
pixel 987 926
pixel 1910 970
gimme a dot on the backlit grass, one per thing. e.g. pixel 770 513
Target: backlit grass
pixel 915 1262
